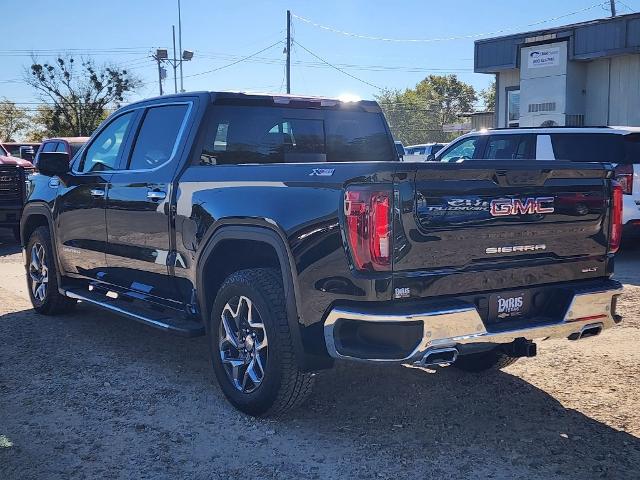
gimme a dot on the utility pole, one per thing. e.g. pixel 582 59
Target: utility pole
pixel 159 57
pixel 180 44
pixel 613 7
pixel 288 51
pixel 175 62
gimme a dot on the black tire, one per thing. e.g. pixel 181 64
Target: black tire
pixel 282 386
pixel 480 362
pixel 50 301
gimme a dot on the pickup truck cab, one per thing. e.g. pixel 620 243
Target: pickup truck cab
pixel 286 230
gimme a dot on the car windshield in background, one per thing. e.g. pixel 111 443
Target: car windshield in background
pixel 287 135
pixel 417 151
pixel 14 150
pixel 597 147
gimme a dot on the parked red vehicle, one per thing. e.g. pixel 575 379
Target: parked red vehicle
pixel 13 175
pixel 24 150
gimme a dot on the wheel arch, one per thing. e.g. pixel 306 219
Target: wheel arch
pixel 36 215
pixel 274 240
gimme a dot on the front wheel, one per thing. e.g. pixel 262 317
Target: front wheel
pixel 41 275
pixel 251 345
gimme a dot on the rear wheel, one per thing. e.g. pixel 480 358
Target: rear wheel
pixel 480 362
pixel 41 275
pixel 251 346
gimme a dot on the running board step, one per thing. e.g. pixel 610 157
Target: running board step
pixel 162 320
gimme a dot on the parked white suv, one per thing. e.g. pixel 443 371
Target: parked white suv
pixel 617 145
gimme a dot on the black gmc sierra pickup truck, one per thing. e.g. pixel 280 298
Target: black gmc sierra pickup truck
pixel 287 231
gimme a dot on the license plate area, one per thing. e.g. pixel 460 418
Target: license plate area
pixel 507 306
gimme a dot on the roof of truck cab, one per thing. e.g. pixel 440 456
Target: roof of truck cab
pixel 288 99
pixel 68 139
pixel 269 99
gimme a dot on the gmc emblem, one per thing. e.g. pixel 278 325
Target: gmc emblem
pixel 514 206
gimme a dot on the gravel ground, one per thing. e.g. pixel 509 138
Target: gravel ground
pixel 92 395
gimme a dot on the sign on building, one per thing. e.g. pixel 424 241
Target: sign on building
pixel 544 57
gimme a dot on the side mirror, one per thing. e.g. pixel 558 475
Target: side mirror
pixel 431 157
pixel 53 163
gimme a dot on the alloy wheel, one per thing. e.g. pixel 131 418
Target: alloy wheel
pixel 39 272
pixel 243 344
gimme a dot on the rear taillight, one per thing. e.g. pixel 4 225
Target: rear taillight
pixel 624 176
pixel 616 218
pixel 368 227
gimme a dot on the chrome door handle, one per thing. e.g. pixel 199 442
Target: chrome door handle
pixel 97 192
pixel 156 195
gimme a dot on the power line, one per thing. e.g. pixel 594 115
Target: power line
pixel 337 68
pixel 243 59
pixel 443 39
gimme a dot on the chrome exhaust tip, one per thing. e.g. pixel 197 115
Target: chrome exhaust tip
pixel 438 357
pixel 587 331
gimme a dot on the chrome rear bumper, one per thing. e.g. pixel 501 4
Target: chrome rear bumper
pixel 589 311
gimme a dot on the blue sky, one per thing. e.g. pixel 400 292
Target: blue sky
pixel 125 32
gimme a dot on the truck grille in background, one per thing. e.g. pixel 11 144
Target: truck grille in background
pixel 11 184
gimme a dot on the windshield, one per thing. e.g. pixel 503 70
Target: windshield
pixel 14 150
pixel 291 135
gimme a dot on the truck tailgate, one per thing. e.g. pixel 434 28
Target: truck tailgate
pixel 490 225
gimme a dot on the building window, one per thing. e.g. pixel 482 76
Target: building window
pixel 513 108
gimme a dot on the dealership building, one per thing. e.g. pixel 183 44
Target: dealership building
pixel 585 74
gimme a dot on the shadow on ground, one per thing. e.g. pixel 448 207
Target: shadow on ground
pixel 90 394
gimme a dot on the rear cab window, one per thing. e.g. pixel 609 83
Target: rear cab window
pixel 242 134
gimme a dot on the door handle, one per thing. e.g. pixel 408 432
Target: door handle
pixel 156 195
pixel 97 192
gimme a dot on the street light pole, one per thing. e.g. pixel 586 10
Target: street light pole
pixel 175 64
pixel 612 3
pixel 288 51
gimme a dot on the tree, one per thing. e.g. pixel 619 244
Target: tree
pixel 13 120
pixel 78 97
pixel 417 115
pixel 488 96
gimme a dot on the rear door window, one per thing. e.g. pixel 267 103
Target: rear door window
pixel 248 134
pixel 61 147
pixel 509 147
pixel 157 136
